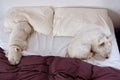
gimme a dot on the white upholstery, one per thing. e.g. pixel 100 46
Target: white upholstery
pixel 40 18
pixel 70 21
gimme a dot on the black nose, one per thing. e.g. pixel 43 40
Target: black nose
pixel 107 57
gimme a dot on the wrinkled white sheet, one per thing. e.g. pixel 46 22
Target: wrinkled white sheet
pixel 47 45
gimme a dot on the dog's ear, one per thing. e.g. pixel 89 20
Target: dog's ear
pixel 18 49
pixel 101 41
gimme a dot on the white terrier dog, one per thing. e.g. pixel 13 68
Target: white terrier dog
pixel 89 43
pixel 16 22
pixel 18 42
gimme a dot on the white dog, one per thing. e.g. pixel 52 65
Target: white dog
pixel 18 42
pixel 19 22
pixel 89 43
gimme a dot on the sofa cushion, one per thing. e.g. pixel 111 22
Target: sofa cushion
pixel 40 18
pixel 70 21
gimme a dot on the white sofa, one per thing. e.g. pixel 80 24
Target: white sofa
pixel 54 27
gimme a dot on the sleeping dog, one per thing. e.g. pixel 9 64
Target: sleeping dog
pixel 88 43
pixel 18 42
pixel 20 22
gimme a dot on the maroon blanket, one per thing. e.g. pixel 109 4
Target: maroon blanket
pixel 54 68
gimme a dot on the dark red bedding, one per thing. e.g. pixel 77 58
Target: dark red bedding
pixel 54 68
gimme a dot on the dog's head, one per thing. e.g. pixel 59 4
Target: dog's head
pixel 102 46
pixel 13 55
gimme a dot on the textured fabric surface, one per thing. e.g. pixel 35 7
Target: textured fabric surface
pixel 54 68
pixel 40 18
pixel 71 21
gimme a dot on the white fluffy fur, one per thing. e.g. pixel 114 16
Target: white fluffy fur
pixel 90 42
pixel 18 42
